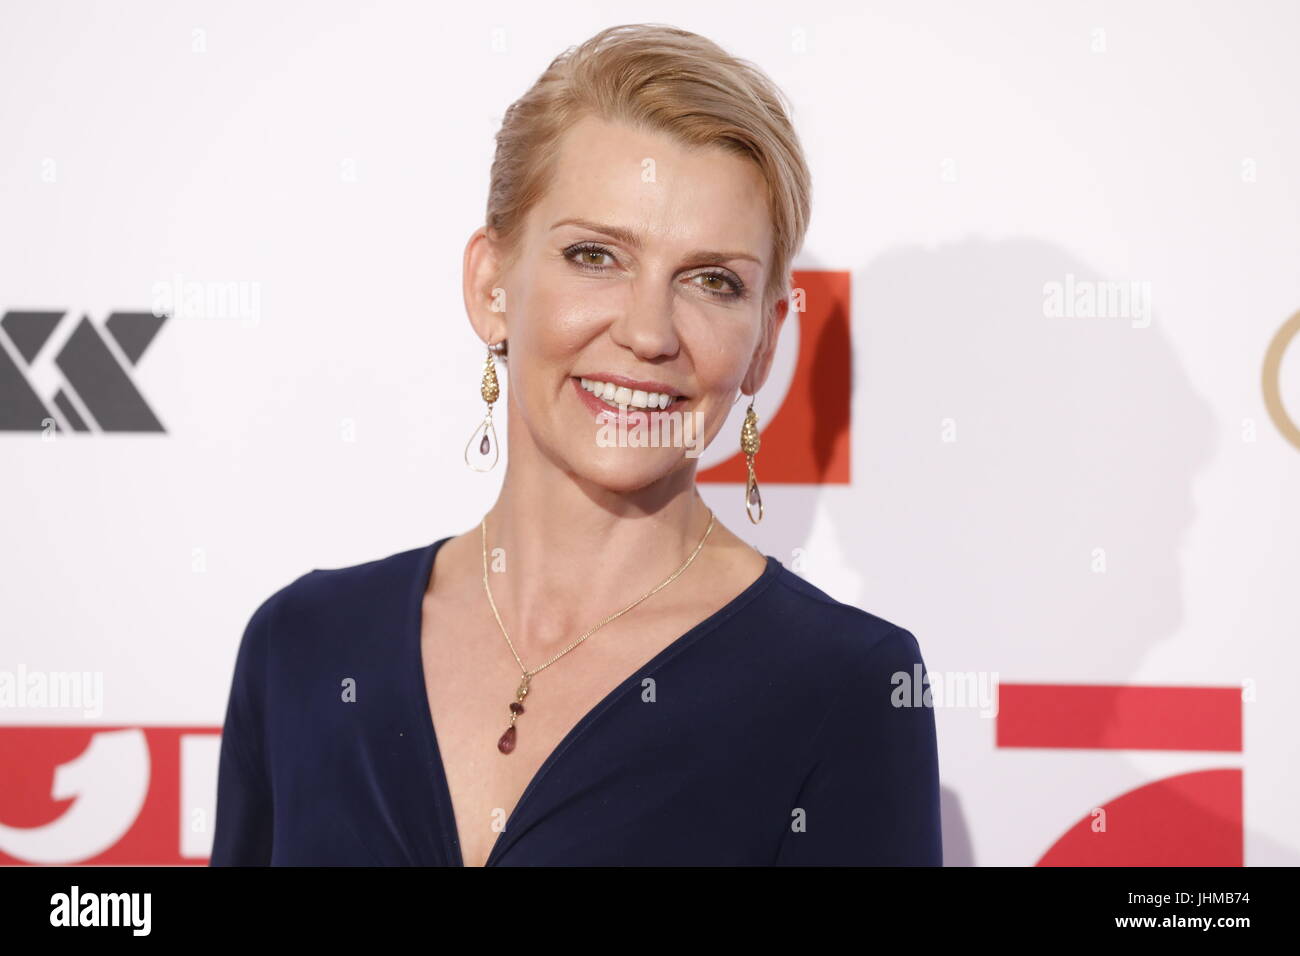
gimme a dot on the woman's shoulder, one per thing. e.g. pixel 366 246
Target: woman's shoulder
pixel 323 594
pixel 390 569
pixel 851 638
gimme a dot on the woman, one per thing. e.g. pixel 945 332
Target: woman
pixel 613 675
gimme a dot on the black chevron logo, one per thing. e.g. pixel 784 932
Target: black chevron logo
pixel 96 393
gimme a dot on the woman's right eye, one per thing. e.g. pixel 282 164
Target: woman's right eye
pixel 579 255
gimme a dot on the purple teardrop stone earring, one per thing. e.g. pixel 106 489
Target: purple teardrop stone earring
pixel 490 389
pixel 749 445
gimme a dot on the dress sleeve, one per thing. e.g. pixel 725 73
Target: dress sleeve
pixel 242 834
pixel 871 797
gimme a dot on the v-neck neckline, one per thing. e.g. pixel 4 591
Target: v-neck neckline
pixel 414 654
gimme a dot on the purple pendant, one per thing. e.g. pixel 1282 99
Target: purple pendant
pixel 484 446
pixel 507 742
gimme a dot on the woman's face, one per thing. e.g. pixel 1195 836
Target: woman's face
pixel 645 261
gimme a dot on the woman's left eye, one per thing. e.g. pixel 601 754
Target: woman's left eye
pixel 736 286
pixel 578 254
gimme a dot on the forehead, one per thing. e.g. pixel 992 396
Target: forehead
pixel 669 192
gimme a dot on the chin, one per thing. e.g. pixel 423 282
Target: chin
pixel 617 470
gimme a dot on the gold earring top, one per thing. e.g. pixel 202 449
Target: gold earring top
pixel 749 432
pixel 490 389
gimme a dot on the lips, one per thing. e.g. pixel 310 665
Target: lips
pixel 602 409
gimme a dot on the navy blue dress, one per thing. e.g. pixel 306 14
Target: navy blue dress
pixel 785 729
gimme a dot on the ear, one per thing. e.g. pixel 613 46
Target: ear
pixel 762 364
pixel 485 301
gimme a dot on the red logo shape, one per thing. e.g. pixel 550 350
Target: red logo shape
pixel 1190 819
pixel 807 441
pixel 105 796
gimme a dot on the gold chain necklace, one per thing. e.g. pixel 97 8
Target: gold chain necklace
pixel 507 742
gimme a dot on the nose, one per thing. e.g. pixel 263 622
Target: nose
pixel 646 324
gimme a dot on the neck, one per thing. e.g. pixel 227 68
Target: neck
pixel 564 554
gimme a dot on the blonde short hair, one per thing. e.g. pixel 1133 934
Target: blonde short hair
pixel 665 79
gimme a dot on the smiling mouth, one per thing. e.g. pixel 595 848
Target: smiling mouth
pixel 607 406
pixel 635 400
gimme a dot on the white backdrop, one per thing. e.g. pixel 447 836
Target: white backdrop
pixel 331 159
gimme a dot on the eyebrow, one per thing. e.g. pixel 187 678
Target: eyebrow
pixel 631 239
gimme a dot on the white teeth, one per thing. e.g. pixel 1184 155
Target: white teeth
pixel 619 395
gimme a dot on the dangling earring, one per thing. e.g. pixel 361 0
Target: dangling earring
pixel 490 391
pixel 749 445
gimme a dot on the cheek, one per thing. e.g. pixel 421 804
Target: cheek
pixel 722 355
pixel 558 319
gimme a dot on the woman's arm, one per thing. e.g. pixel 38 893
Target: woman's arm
pixel 244 814
pixel 871 797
